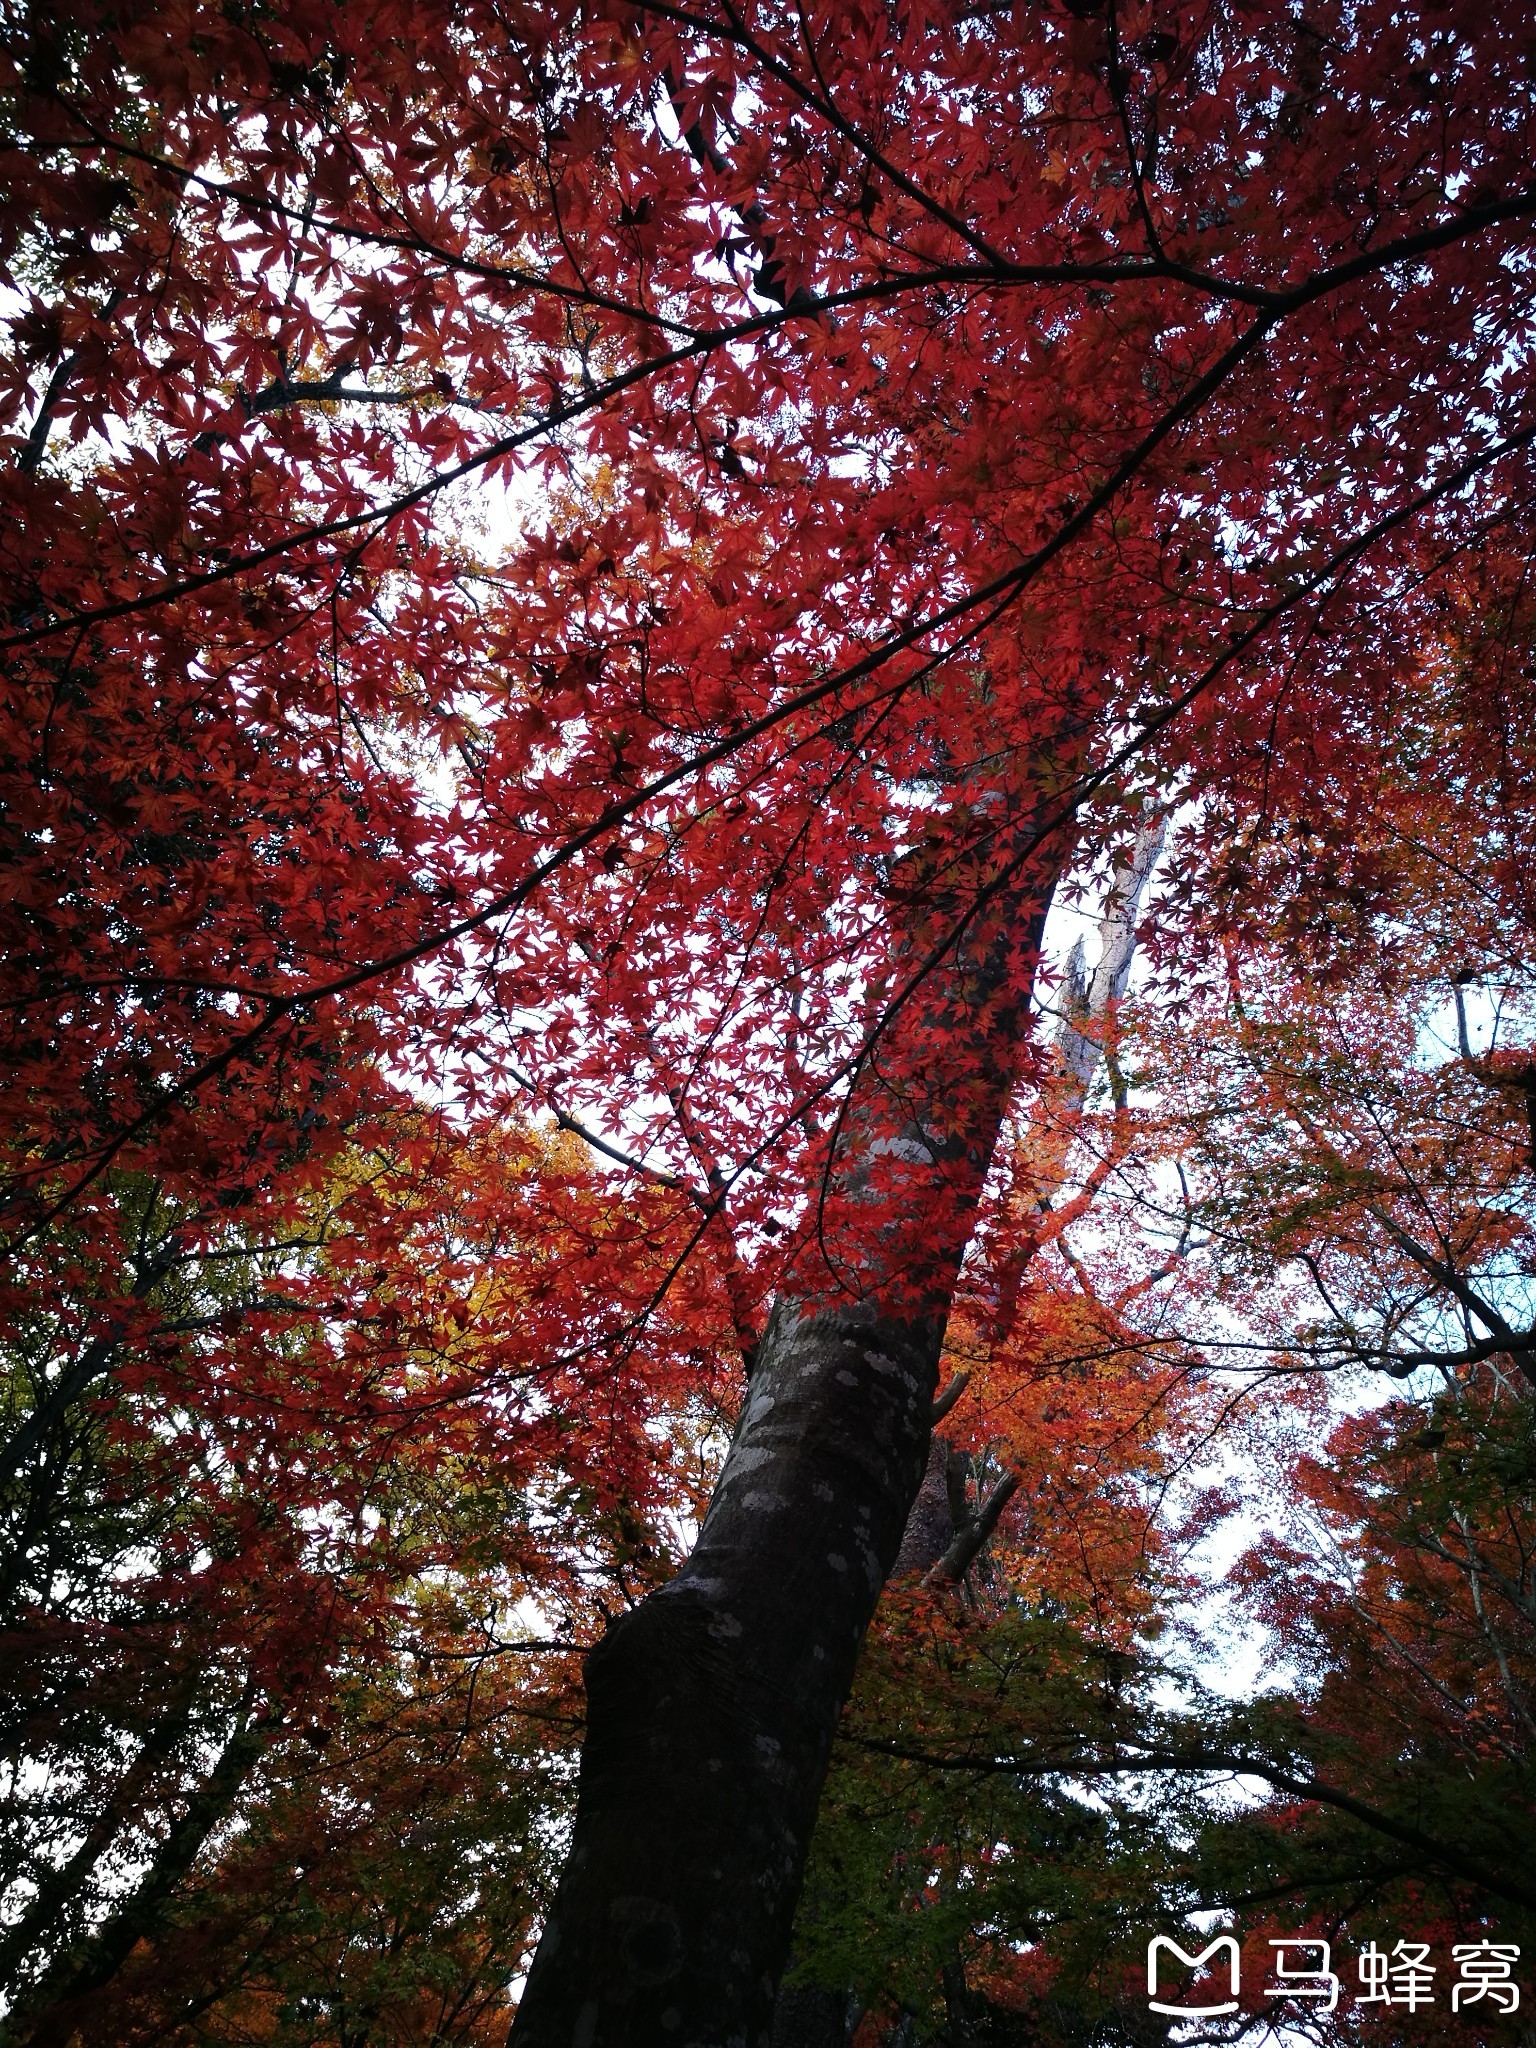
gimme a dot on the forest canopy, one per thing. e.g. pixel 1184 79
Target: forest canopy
pixel 768 1121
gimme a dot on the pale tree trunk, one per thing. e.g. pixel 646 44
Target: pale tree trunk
pixel 944 1533
pixel 1086 1017
pixel 712 1706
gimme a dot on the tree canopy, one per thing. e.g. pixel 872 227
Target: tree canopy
pixel 586 593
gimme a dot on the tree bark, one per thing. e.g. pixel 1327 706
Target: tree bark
pixel 809 2016
pixel 711 1707
pixel 930 1526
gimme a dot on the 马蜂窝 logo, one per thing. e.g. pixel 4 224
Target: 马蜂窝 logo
pixel 1223 1942
pixel 1303 1966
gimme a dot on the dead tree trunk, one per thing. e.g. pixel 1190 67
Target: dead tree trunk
pixel 944 1535
pixel 711 1707
pixel 1086 1009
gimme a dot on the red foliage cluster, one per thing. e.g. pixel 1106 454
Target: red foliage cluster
pixel 534 539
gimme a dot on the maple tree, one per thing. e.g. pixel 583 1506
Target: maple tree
pixel 261 1595
pixel 600 567
pixel 1013 1805
pixel 1351 1196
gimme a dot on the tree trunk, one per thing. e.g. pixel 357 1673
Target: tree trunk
pixel 53 2011
pixel 930 1526
pixel 809 2016
pixel 60 1888
pixel 711 1707
pixel 943 1534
